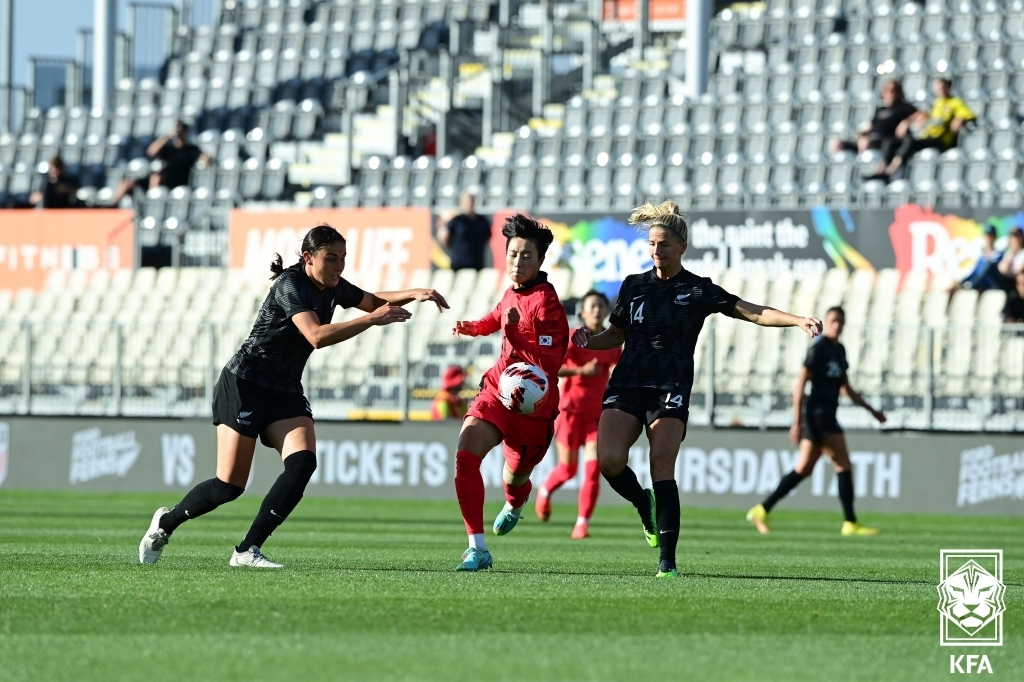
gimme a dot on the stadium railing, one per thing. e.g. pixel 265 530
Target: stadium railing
pixel 954 378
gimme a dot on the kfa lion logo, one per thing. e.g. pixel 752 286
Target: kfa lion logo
pixel 971 598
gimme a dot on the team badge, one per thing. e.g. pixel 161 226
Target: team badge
pixel 544 340
pixel 971 600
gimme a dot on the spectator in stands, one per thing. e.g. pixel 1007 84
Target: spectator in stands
pixel 179 156
pixel 986 271
pixel 60 189
pixel 1012 262
pixel 1013 312
pixel 938 130
pixel 466 236
pixel 880 133
pixel 448 404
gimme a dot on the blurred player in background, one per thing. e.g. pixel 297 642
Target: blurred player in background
pixel 586 374
pixel 447 404
pixel 534 330
pixel 815 428
pixel 658 315
pixel 259 393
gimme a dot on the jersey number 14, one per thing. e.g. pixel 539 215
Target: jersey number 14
pixel 638 315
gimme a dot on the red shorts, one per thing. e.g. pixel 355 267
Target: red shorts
pixel 525 438
pixel 575 429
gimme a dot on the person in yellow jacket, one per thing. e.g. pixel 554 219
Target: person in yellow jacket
pixel 448 404
pixel 937 130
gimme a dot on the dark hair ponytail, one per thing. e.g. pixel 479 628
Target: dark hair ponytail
pixel 276 266
pixel 316 240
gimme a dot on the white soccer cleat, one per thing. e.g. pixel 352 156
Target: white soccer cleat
pixel 253 559
pixel 155 539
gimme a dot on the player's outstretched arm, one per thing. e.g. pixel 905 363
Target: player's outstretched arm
pixel 371 302
pixel 765 316
pixel 612 337
pixel 488 324
pixel 858 400
pixel 323 335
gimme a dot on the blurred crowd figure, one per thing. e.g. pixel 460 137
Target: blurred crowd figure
pixel 937 130
pixel 466 236
pixel 1013 312
pixel 178 155
pixel 880 132
pixel 60 188
pixel 447 404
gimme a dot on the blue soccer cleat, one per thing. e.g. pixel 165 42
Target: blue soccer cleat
pixel 507 520
pixel 474 559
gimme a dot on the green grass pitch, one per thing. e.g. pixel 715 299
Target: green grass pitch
pixel 369 594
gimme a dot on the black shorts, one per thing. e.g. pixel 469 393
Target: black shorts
pixel 648 404
pixel 249 408
pixel 817 424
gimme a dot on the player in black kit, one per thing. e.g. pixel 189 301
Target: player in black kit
pixel 659 314
pixel 815 428
pixel 259 393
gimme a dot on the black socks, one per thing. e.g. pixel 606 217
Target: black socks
pixel 845 483
pixel 666 496
pixel 202 499
pixel 283 497
pixel 788 482
pixel 626 485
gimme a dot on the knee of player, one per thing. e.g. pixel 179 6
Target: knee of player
pixel 303 462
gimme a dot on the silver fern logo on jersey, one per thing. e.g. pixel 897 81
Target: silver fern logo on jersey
pixel 971 592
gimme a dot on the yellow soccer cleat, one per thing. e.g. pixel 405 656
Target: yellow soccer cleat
pixel 851 528
pixel 758 516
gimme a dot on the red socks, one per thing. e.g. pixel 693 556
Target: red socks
pixel 518 495
pixel 590 488
pixel 469 488
pixel 558 476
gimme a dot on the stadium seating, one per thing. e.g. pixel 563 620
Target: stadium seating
pixel 785 78
pixel 158 339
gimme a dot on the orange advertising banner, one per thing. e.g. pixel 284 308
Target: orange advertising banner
pixel 383 240
pixel 33 243
pixel 658 10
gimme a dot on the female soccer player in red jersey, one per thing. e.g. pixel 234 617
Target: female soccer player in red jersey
pixel 659 314
pixel 534 330
pixel 586 372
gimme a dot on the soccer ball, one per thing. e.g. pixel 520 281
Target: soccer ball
pixel 523 387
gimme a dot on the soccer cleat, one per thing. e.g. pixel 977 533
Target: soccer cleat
pixel 474 559
pixel 253 558
pixel 581 531
pixel 759 517
pixel 507 520
pixel 543 507
pixel 854 528
pixel 155 539
pixel 667 569
pixel 651 525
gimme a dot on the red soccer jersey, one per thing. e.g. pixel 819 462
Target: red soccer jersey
pixel 584 394
pixel 540 338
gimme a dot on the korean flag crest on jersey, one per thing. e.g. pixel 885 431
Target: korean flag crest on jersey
pixel 544 340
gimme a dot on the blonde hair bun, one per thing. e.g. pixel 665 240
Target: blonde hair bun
pixel 666 214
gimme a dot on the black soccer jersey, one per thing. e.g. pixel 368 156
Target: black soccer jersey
pixel 275 353
pixel 662 319
pixel 827 364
